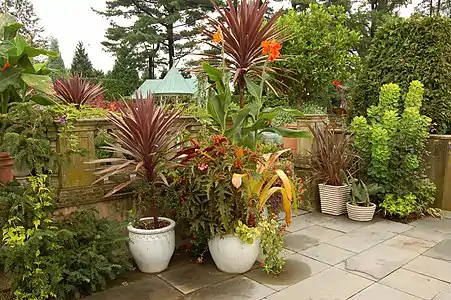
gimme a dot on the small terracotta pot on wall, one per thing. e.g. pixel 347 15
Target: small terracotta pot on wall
pixel 6 165
pixel 291 143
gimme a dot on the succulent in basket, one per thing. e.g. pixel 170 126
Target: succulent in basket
pixel 361 193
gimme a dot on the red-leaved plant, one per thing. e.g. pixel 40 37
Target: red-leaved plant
pixel 77 90
pixel 144 134
pixel 241 31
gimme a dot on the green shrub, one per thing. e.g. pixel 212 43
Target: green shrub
pixel 404 50
pixel 46 259
pixel 392 143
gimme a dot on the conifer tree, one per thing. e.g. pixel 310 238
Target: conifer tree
pixel 81 64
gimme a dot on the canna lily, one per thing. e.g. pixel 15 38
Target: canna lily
pixel 6 66
pixel 217 36
pixel 272 48
pixel 261 186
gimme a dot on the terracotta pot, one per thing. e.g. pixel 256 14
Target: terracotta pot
pixel 6 165
pixel 291 143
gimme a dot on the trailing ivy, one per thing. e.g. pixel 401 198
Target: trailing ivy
pixel 404 50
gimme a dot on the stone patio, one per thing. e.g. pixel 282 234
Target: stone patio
pixel 328 258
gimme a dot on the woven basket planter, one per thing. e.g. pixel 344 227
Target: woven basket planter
pixel 333 198
pixel 360 213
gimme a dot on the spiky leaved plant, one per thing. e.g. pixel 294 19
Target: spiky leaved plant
pixel 239 34
pixel 77 90
pixel 144 134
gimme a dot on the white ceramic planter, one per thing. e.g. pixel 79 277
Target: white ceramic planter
pixel 152 249
pixel 231 255
pixel 333 198
pixel 360 213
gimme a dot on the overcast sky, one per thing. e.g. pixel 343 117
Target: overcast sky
pixel 71 21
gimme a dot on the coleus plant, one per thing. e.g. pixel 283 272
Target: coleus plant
pixel 144 134
pixel 20 79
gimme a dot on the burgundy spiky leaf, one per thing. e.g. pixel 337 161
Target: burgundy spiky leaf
pixel 77 90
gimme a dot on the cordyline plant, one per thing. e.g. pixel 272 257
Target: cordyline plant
pixel 77 90
pixel 332 154
pixel 239 34
pixel 144 135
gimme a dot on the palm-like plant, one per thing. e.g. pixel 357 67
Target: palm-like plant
pixel 77 90
pixel 242 30
pixel 144 134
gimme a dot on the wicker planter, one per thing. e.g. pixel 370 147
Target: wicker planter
pixel 360 213
pixel 333 199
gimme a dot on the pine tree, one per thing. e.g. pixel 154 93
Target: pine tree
pixel 125 75
pixel 163 26
pixel 55 63
pixel 24 12
pixel 434 7
pixel 81 64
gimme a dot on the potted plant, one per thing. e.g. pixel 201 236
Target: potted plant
pixel 332 154
pixel 360 208
pixel 144 135
pixel 211 174
pixel 6 165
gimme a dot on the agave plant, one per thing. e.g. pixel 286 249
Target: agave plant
pixel 262 186
pixel 240 33
pixel 77 90
pixel 144 135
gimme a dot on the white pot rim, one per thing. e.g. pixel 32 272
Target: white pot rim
pixel 337 186
pixel 353 205
pixel 171 226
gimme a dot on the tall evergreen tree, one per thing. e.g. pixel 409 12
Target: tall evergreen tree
pixel 167 26
pixel 55 63
pixel 23 10
pixel 125 75
pixel 434 8
pixel 81 64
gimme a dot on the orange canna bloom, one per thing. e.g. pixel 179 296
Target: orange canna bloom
pixel 6 66
pixel 217 36
pixel 272 48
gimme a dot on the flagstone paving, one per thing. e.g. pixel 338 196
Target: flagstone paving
pixel 328 258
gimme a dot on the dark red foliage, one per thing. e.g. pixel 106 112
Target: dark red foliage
pixel 76 90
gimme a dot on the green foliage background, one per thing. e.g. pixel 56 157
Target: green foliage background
pixel 403 50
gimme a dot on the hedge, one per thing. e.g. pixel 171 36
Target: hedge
pixel 404 50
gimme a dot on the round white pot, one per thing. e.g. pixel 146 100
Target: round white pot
pixel 152 249
pixel 231 255
pixel 360 213
pixel 333 198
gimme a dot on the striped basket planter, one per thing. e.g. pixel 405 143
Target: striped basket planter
pixel 360 213
pixel 333 198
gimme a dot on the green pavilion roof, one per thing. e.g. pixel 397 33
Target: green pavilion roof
pixel 173 84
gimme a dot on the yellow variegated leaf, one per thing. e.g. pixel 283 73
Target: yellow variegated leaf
pixel 268 186
pixel 270 192
pixel 270 162
pixel 286 183
pixel 286 205
pixel 237 179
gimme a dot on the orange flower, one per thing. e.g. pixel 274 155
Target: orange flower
pixel 217 36
pixel 272 48
pixel 6 66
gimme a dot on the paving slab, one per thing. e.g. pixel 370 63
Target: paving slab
pixel 388 256
pixel 432 267
pixel 444 295
pixel 297 268
pixel 149 288
pixel 386 225
pixel 331 284
pixel 327 253
pixel 441 251
pixel 440 225
pixel 308 237
pixel 307 220
pixel 344 224
pixel 378 291
pixel 426 234
pixel 415 284
pixel 237 288
pixel 361 239
pixel 192 277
